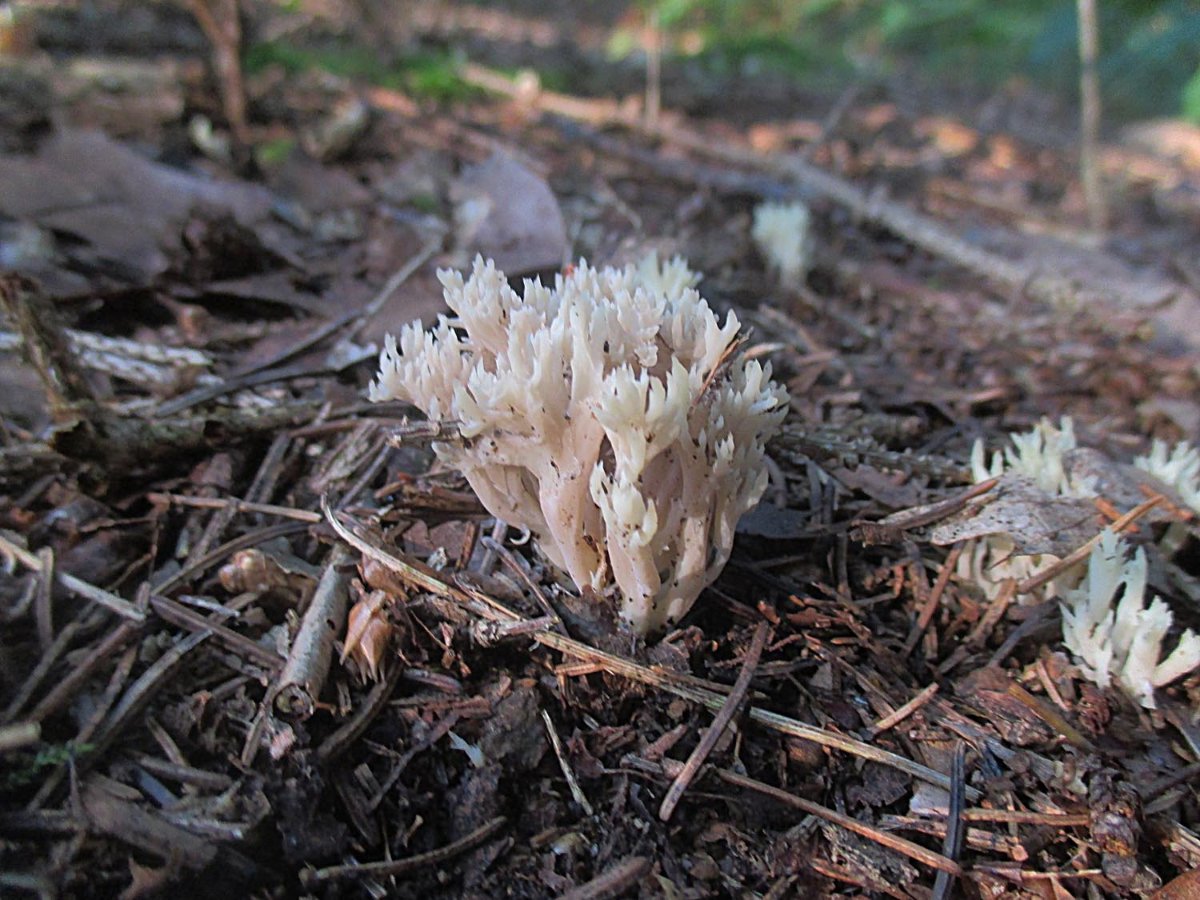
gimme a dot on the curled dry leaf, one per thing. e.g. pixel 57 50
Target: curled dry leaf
pixel 368 633
pixel 259 571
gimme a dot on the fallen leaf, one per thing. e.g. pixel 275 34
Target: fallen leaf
pixel 1036 521
pixel 1184 887
pixel 368 633
pixel 509 214
pixel 85 184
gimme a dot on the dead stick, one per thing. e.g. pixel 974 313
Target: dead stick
pixel 886 839
pixel 783 724
pixel 45 663
pixel 308 662
pixel 19 734
pixel 338 742
pixel 223 29
pixel 1034 280
pixel 722 720
pixel 933 600
pixel 68 687
pixel 903 712
pixel 46 346
pixel 613 882
pixel 388 868
pixel 956 826
pixel 177 614
pixel 556 743
pixel 900 845
pixel 1089 115
pixel 234 504
pixel 10 548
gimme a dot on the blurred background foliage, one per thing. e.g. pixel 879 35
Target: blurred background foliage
pixel 1150 64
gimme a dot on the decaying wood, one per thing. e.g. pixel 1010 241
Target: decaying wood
pixel 307 664
pixel 45 345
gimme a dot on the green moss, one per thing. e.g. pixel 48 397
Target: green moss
pixel 432 76
pixel 31 768
pixel 425 203
pixel 272 153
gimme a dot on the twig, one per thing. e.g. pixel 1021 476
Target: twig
pixel 619 666
pixel 435 734
pixel 10 548
pixel 43 607
pixel 338 742
pixel 308 661
pixel 47 660
pixel 46 347
pixel 724 717
pixel 925 616
pixel 576 791
pixel 145 687
pixel 1050 716
pixel 1089 115
pixel 270 369
pixel 234 504
pixel 1028 817
pixel 66 689
pixel 220 22
pixel 956 826
pixel 184 774
pixel 250 539
pixel 832 120
pixel 1035 616
pixel 188 619
pixel 900 845
pixel 935 512
pixel 20 734
pixel 1033 582
pixel 903 712
pixel 312 877
pixel 509 559
pixel 614 882
pixel 987 623
pixel 132 702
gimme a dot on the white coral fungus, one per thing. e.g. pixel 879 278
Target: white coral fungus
pixel 604 415
pixel 1179 469
pixel 1124 642
pixel 1040 456
pixel 783 232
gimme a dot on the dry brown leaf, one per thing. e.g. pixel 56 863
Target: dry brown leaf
pixel 368 633
pixel 1036 521
pixel 1185 887
pixel 509 214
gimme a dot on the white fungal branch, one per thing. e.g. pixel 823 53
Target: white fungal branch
pixel 599 414
pixel 1038 455
pixel 1178 468
pixel 783 233
pixel 1114 635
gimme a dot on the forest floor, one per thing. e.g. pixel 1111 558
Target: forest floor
pixel 194 489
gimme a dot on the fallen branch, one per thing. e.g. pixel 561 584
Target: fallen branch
pixel 1174 306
